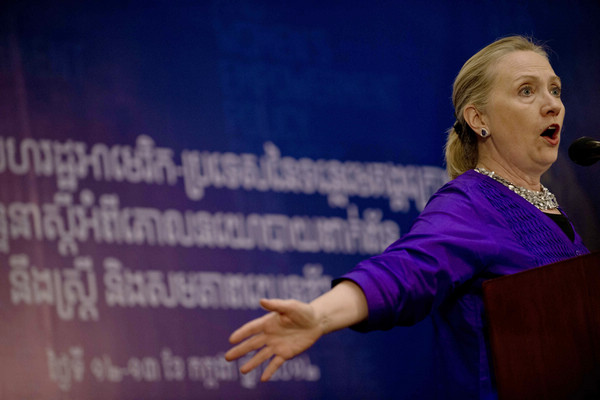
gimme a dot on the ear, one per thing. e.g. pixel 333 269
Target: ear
pixel 474 118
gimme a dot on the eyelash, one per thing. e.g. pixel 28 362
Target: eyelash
pixel 556 89
pixel 524 88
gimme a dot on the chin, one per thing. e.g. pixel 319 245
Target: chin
pixel 546 164
pixel 550 155
pixel 545 161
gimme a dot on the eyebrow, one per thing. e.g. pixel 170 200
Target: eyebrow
pixel 537 78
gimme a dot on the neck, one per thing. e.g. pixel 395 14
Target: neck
pixel 514 175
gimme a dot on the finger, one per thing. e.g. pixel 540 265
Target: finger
pixel 290 311
pixel 273 366
pixel 276 305
pixel 248 329
pixel 254 343
pixel 258 359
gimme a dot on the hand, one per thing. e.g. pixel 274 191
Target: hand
pixel 289 329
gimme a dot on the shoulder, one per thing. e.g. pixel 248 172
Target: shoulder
pixel 462 191
pixel 460 205
pixel 467 181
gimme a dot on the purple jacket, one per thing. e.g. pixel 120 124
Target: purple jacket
pixel 472 229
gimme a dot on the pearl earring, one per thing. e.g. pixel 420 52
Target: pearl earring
pixel 484 133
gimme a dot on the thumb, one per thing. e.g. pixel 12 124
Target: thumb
pixel 277 305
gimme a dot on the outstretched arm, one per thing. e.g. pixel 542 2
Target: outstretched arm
pixel 293 326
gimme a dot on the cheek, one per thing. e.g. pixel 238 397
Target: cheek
pixel 508 117
pixel 521 127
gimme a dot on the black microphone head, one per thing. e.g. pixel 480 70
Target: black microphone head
pixel 584 151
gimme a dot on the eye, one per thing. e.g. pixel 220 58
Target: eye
pixel 526 91
pixel 555 91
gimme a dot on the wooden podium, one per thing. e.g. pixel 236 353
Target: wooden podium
pixel 544 327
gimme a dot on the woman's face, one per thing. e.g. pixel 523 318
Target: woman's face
pixel 524 115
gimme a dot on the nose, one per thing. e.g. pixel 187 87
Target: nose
pixel 552 105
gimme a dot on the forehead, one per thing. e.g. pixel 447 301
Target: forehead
pixel 516 64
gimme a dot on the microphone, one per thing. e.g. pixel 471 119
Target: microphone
pixel 584 151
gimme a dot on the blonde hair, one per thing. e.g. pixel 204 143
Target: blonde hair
pixel 472 86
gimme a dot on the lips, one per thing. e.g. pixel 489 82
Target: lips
pixel 551 134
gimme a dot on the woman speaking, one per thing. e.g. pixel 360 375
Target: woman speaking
pixel 493 218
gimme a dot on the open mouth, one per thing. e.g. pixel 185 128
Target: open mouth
pixel 551 134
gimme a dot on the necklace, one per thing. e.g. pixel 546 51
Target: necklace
pixel 542 200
